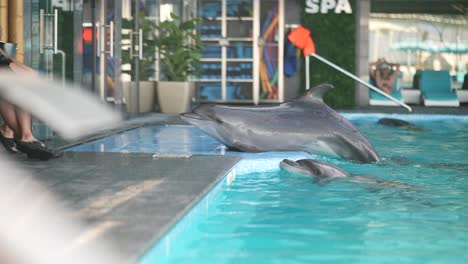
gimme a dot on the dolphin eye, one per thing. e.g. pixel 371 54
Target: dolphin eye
pixel 316 171
pixel 219 121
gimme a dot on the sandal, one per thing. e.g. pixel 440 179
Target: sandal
pixel 37 150
pixel 9 144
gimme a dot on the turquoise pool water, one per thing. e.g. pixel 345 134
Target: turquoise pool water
pixel 269 216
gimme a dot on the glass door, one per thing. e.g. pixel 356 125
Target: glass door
pixel 238 21
pixel 227 31
pixel 210 83
pixel 53 43
pixel 270 78
pixel 73 41
pixel 109 25
pixel 51 32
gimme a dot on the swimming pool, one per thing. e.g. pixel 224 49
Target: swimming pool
pixel 269 216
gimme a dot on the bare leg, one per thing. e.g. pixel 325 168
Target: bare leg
pixel 22 69
pixel 24 121
pixel 6 131
pixel 25 140
pixel 27 143
pixel 11 127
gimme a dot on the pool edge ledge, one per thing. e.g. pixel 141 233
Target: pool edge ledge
pixel 184 217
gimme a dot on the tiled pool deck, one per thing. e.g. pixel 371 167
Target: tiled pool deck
pixel 116 178
pixel 141 178
pixel 135 195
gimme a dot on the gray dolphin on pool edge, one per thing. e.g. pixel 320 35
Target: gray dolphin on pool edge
pixel 325 172
pixel 305 123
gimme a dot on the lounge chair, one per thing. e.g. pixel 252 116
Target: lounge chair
pixel 436 89
pixel 377 99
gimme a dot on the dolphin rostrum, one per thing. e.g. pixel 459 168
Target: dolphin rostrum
pixel 305 123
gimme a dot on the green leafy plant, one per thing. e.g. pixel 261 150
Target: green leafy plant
pixel 179 47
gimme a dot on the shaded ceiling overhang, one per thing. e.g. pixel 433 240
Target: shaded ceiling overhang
pixel 454 7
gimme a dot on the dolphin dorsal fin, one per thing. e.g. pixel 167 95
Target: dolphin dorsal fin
pixel 318 91
pixel 314 93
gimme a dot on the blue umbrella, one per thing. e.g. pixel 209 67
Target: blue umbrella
pixel 435 47
pixel 411 45
pixel 456 48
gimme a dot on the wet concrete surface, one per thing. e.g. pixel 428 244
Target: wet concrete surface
pixel 135 196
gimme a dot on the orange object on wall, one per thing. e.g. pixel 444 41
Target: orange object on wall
pixel 302 39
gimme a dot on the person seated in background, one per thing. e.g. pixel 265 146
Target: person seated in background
pixel 16 132
pixel 383 76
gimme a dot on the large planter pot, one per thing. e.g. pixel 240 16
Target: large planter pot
pixel 147 95
pixel 175 97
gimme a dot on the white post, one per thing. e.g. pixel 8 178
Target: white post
pixel 256 55
pixel 307 64
pixel 281 51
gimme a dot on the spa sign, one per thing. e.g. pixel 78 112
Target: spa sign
pixel 328 6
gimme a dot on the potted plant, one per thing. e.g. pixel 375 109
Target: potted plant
pixel 180 49
pixel 146 68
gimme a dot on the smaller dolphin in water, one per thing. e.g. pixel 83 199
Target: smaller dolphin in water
pixel 393 122
pixel 312 167
pixel 325 172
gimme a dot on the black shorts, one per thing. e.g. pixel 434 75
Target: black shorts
pixel 4 61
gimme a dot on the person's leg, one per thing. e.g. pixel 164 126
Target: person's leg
pixel 8 128
pixel 24 138
pixel 6 131
pixel 24 122
pixel 16 134
pixel 8 113
pixel 22 69
pixel 27 143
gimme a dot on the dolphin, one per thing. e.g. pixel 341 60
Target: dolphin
pixel 312 167
pixel 325 172
pixel 305 123
pixel 393 122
